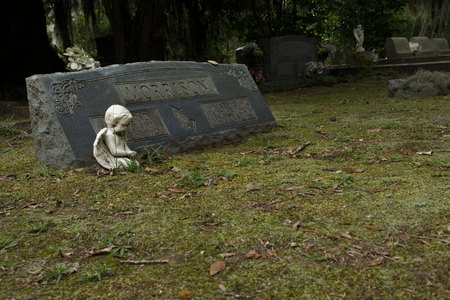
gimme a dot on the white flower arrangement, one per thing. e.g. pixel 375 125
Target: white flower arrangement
pixel 414 47
pixel 80 60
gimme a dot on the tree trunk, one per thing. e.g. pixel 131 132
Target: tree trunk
pixel 25 49
pixel 138 33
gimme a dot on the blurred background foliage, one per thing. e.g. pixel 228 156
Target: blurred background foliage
pixel 120 31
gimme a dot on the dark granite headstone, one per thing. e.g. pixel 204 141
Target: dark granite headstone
pixel 285 56
pixel 440 46
pixel 425 46
pixel 397 47
pixel 177 105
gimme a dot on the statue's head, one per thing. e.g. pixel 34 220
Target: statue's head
pixel 359 26
pixel 118 118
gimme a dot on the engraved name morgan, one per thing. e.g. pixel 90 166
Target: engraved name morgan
pixel 155 91
pixel 226 112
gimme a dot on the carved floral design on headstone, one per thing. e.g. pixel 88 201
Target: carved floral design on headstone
pixel 65 95
pixel 244 80
pixel 186 123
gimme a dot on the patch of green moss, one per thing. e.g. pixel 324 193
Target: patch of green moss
pixel 357 208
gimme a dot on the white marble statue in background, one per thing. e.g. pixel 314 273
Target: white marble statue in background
pixel 358 32
pixel 110 147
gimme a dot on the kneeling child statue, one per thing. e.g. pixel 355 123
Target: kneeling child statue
pixel 110 147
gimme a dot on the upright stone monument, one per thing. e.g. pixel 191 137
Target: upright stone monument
pixel 285 56
pixel 425 46
pixel 440 46
pixel 397 47
pixel 176 105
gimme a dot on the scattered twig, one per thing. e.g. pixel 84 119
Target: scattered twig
pixel 422 237
pixel 387 257
pixel 429 238
pixel 301 148
pixel 236 262
pixel 237 295
pixel 145 262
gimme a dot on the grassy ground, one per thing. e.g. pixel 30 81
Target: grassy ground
pixel 357 214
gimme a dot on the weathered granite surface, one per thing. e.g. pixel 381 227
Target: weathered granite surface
pixel 425 46
pixel 397 47
pixel 176 105
pixel 440 46
pixel 421 84
pixel 285 56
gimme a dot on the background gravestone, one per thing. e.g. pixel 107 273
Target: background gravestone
pixel 177 105
pixel 440 46
pixel 397 47
pixel 285 56
pixel 425 46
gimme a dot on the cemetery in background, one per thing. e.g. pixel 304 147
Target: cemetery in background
pixel 131 31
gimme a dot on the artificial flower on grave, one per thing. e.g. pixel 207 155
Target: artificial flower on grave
pixel 80 60
pixel 414 47
pixel 257 75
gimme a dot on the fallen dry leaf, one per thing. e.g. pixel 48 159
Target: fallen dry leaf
pixel 75 267
pixel 65 255
pixel 294 188
pixel 217 267
pixel 225 255
pixel 373 228
pixel 38 270
pixel 176 169
pixel 213 224
pixel 376 130
pixel 429 283
pixel 377 261
pixel 287 222
pixel 424 152
pixel 346 235
pixel 271 253
pixel 418 260
pixel 185 294
pixel 99 252
pixel 125 212
pixel 213 62
pixel 350 170
pixel 179 191
pixel 425 242
pixel 222 288
pixel 251 187
pixel 252 254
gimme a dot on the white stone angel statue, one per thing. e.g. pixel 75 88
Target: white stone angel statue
pixel 358 32
pixel 110 147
